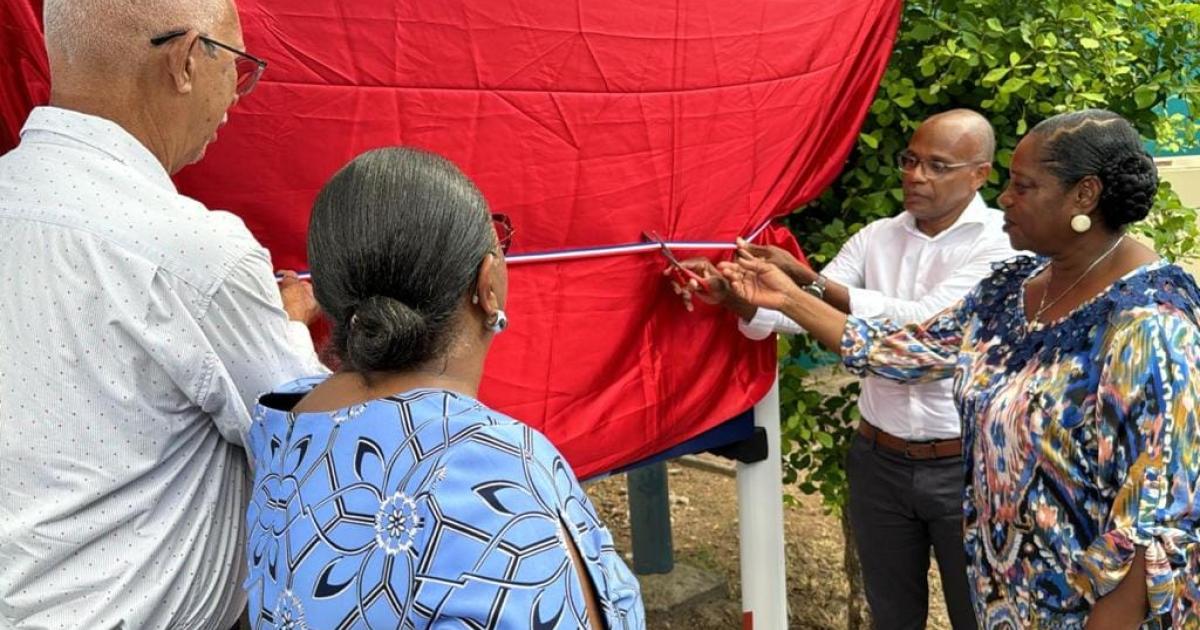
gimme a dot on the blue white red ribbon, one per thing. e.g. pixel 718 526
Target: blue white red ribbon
pixel 606 250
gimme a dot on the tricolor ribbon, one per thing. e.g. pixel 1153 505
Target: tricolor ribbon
pixel 605 250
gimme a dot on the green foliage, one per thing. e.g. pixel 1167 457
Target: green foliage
pixel 1017 63
pixel 816 427
pixel 1171 227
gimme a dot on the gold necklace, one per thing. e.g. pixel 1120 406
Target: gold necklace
pixel 1036 323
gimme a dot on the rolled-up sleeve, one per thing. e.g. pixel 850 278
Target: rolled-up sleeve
pixel 1148 455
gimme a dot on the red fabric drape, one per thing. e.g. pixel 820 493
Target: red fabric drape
pixel 587 123
pixel 24 75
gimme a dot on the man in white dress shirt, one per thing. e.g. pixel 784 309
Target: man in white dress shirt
pixel 905 465
pixel 138 327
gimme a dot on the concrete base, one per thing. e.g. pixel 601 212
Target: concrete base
pixel 682 588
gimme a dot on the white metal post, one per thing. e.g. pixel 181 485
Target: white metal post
pixel 760 526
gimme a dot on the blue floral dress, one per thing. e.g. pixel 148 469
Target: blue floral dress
pixel 1081 440
pixel 422 510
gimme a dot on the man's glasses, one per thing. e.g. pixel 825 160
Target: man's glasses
pixel 504 230
pixel 909 162
pixel 249 68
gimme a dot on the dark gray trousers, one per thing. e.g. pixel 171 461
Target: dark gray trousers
pixel 899 508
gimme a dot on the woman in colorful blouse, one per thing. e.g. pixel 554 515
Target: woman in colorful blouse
pixel 386 495
pixel 1077 377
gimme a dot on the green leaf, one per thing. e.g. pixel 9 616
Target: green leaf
pixel 1022 127
pixel 923 31
pixel 1089 43
pixel 1014 58
pixel 994 75
pixel 1145 95
pixel 869 140
pixel 1012 85
pixel 995 25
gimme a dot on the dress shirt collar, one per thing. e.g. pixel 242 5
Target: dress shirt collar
pixel 100 135
pixel 975 212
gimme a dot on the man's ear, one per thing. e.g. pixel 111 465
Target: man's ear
pixel 981 174
pixel 181 63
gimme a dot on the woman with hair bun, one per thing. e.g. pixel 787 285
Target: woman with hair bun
pixel 1077 378
pixel 386 495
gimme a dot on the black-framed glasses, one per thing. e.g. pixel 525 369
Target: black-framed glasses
pixel 504 230
pixel 249 68
pixel 910 162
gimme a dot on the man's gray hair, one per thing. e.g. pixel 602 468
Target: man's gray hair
pixel 98 31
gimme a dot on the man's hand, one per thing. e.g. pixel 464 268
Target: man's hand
pixel 718 292
pixel 758 282
pixel 298 298
pixel 800 273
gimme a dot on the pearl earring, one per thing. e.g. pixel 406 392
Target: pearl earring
pixel 1081 223
pixel 497 322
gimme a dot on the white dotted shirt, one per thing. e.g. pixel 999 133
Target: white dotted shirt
pixel 136 330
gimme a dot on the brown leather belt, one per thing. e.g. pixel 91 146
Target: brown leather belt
pixel 932 449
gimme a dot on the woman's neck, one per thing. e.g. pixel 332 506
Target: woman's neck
pixel 349 387
pixel 387 384
pixel 1086 257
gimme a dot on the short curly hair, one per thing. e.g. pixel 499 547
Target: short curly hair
pixel 1102 143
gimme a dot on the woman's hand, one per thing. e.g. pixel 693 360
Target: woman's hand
pixel 764 285
pixel 758 282
pixel 800 273
pixel 718 293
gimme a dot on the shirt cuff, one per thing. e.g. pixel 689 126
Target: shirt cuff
pixel 866 303
pixel 760 326
pixel 856 344
pixel 1106 562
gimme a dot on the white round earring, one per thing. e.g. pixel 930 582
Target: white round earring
pixel 497 322
pixel 1081 223
pixel 475 298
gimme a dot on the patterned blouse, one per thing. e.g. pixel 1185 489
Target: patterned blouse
pixel 1080 439
pixel 422 510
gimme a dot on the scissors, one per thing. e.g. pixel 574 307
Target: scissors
pixel 680 273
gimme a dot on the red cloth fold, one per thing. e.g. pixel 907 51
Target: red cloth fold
pixel 24 73
pixel 587 123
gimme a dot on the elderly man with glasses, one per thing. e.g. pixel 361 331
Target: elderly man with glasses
pixel 138 329
pixel 905 465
